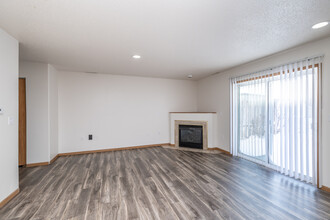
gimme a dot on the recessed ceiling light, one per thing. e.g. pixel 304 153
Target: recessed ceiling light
pixel 320 25
pixel 136 56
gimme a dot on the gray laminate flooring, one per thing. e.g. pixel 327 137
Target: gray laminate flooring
pixel 160 183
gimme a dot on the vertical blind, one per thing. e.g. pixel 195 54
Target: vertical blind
pixel 274 118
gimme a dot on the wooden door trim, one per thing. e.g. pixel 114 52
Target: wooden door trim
pixel 22 122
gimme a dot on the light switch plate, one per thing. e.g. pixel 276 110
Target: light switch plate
pixel 10 120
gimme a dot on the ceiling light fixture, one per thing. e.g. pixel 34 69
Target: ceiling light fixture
pixel 136 56
pixel 320 25
pixel 189 76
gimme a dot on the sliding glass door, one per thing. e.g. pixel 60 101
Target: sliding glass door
pixel 275 118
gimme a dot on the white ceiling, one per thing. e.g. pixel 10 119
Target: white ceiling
pixel 174 37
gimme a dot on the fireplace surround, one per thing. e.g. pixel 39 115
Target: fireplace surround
pixel 205 119
pixel 192 129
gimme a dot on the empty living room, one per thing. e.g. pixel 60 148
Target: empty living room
pixel 177 109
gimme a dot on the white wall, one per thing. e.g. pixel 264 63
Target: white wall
pixel 119 111
pixel 9 104
pixel 42 111
pixel 213 94
pixel 36 75
pixel 53 111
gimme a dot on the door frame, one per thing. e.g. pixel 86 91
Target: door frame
pixel 22 125
pixel 318 128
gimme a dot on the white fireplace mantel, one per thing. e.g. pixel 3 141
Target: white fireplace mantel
pixel 209 117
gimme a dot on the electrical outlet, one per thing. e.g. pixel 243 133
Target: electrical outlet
pixel 90 137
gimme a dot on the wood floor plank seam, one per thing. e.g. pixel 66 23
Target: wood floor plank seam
pixel 255 194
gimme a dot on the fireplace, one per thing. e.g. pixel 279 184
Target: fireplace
pixel 191 136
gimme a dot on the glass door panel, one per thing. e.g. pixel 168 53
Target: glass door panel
pixel 290 121
pixel 252 112
pixel 275 95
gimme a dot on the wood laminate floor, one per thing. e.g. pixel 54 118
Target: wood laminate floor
pixel 159 183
